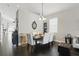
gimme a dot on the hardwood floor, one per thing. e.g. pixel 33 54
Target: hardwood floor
pixel 38 51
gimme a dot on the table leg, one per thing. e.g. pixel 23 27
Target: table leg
pixel 36 42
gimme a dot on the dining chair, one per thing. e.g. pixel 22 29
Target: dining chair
pixel 30 42
pixel 75 42
pixel 45 40
pixel 50 38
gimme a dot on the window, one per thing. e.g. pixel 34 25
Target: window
pixel 53 25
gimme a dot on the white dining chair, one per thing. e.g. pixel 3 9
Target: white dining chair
pixel 75 43
pixel 50 38
pixel 30 39
pixel 45 39
pixel 30 42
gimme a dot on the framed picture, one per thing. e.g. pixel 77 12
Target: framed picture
pixel 34 25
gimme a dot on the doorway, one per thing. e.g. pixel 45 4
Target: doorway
pixel 8 25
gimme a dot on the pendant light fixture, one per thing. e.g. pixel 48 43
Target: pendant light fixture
pixel 42 16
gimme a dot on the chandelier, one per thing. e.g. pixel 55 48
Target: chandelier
pixel 42 16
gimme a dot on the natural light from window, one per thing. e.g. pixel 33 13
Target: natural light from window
pixel 53 25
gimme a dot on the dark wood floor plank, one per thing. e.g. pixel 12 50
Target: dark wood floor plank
pixel 38 51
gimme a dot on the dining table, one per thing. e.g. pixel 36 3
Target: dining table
pixel 37 38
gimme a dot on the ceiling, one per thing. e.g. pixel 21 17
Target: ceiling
pixel 48 8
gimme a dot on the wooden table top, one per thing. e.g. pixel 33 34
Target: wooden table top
pixel 38 37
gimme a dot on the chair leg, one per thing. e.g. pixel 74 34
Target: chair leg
pixel 52 43
pixel 27 46
pixel 32 48
pixel 49 45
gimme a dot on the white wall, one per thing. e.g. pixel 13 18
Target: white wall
pixel 0 26
pixel 25 22
pixel 68 22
